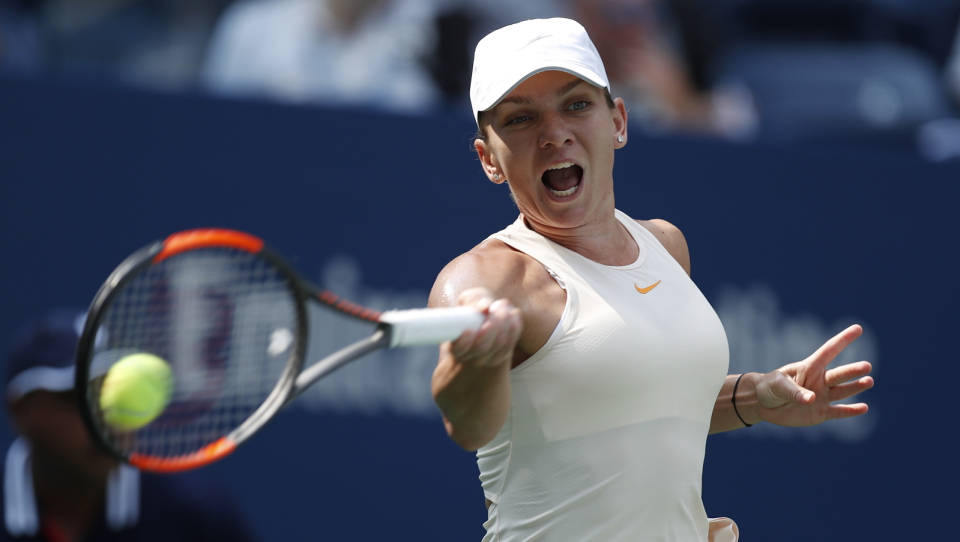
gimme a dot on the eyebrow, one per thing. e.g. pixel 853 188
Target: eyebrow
pixel 570 86
pixel 560 92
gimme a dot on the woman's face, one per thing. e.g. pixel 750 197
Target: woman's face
pixel 553 139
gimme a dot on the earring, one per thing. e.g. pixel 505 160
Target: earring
pixel 619 139
pixel 496 176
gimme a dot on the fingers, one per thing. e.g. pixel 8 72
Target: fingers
pixel 802 393
pixel 843 391
pixel 845 373
pixel 495 340
pixel 777 389
pixel 802 396
pixel 848 380
pixel 837 412
pixel 830 349
pixel 501 327
pixel 481 298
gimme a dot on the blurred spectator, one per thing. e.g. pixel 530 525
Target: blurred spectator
pixel 328 52
pixel 58 486
pixel 837 71
pixel 657 55
pixel 449 65
pixel 939 139
pixel 459 26
pixel 20 36
pixel 953 69
pixel 157 44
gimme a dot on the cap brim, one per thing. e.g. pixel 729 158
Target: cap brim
pixel 40 378
pixel 514 79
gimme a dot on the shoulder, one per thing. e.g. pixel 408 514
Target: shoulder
pixel 492 264
pixel 507 274
pixel 671 238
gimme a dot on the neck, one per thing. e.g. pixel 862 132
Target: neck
pixel 604 240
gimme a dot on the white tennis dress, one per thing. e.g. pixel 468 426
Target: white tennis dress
pixel 608 423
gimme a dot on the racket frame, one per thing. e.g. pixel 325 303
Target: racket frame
pixel 414 327
pixel 131 267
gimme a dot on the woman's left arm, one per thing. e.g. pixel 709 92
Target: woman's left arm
pixel 795 395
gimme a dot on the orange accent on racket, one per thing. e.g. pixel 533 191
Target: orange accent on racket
pixel 358 310
pixel 204 456
pixel 328 297
pixel 192 239
pixel 349 307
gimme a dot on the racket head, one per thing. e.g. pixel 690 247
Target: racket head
pixel 227 315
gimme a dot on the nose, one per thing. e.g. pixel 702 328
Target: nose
pixel 555 131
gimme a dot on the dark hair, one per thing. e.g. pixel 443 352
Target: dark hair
pixel 483 137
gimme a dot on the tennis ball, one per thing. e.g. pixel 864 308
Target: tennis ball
pixel 135 391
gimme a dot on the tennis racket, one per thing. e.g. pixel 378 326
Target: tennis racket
pixel 230 318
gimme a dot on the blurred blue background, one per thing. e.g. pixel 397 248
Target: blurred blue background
pixel 815 177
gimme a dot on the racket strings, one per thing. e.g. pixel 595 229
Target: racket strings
pixel 226 322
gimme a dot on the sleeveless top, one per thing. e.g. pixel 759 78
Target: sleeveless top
pixel 608 422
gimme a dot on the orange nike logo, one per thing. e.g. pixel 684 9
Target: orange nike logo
pixel 647 289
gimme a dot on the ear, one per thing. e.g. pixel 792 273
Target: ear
pixel 619 123
pixel 489 163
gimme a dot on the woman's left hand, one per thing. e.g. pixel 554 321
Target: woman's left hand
pixel 802 393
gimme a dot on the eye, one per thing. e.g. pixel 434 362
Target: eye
pixel 578 105
pixel 518 119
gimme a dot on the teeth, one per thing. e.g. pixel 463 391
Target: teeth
pixel 567 192
pixel 563 193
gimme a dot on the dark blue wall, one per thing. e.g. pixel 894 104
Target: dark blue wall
pixel 89 175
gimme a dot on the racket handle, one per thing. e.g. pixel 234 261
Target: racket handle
pixel 417 327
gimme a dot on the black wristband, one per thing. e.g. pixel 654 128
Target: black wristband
pixel 733 400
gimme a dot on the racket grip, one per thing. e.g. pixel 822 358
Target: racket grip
pixel 417 327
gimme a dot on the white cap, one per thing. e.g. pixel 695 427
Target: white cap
pixel 508 56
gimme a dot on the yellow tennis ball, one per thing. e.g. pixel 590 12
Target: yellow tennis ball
pixel 135 391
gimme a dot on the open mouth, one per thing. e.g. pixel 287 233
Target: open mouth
pixel 563 179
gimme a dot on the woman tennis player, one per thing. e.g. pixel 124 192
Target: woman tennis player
pixel 600 370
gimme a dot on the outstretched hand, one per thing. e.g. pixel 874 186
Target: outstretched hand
pixel 802 393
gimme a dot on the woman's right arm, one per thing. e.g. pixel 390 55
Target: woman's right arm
pixel 471 383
